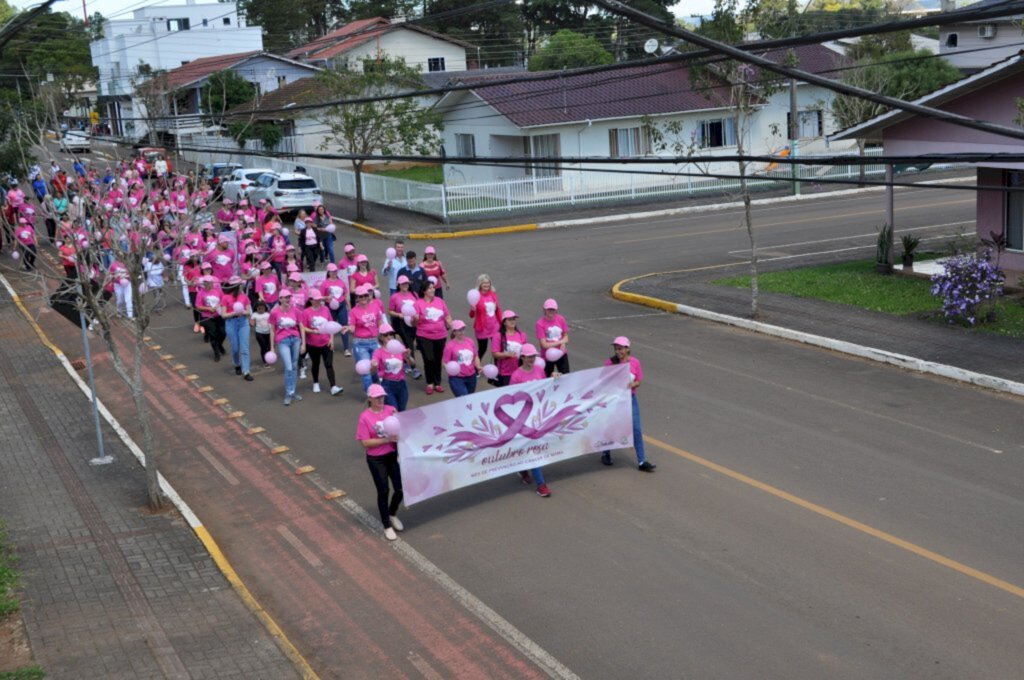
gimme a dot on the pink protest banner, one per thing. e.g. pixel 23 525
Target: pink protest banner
pixel 481 436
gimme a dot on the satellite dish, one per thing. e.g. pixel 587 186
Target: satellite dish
pixel 651 46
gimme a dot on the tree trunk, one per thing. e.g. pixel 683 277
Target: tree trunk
pixel 741 125
pixel 358 168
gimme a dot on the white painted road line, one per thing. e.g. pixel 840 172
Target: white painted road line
pixel 846 238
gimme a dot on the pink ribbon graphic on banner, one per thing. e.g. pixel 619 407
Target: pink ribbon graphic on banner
pixel 515 425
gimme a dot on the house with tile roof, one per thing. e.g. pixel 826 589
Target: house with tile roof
pixel 364 40
pixel 610 114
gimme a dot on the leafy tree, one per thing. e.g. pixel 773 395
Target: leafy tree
pixel 269 134
pixel 567 49
pixel 389 9
pixel 6 11
pixel 56 45
pixel 290 24
pixel 395 126
pixel 545 17
pixel 915 74
pixel 224 91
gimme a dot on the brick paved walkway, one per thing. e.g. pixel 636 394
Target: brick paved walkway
pixel 109 591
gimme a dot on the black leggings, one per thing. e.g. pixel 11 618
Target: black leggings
pixel 192 295
pixel 562 365
pixel 263 340
pixel 432 350
pixel 383 468
pixel 215 333
pixel 481 347
pixel 325 353
pixel 407 334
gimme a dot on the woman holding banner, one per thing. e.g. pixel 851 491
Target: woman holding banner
pixel 529 371
pixel 622 355
pixel 381 458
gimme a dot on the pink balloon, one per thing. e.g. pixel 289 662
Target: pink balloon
pixel 452 368
pixel 15 255
pixel 376 293
pixel 391 426
pixel 238 307
pixel 538 363
pixel 332 328
pixel 407 320
pixel 58 243
pixel 473 297
pixel 395 346
pixel 490 371
pixel 331 228
pixel 270 357
pixel 363 367
pixel 390 253
pixel 553 354
pixel 167 258
pixel 333 304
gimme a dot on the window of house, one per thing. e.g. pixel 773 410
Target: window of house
pixel 1014 210
pixel 206 22
pixel 282 81
pixel 810 123
pixel 542 146
pixel 465 146
pixel 177 24
pixel 227 21
pixel 435 64
pixel 952 40
pixel 719 132
pixel 629 142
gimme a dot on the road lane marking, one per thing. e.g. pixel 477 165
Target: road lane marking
pixel 846 238
pixel 300 547
pixel 803 220
pixel 932 556
pixel 216 465
pixel 424 668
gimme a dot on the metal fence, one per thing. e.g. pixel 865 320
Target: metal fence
pixel 572 188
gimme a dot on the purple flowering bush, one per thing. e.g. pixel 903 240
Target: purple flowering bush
pixel 968 281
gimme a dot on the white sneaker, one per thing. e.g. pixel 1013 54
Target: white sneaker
pixel 337 390
pixel 348 353
pixel 397 524
pixel 316 388
pixel 390 534
pixel 302 374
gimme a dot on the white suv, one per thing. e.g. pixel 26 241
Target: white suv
pixel 241 181
pixel 286 191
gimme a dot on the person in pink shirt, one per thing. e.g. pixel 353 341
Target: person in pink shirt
pixel 277 245
pixel 402 313
pixel 432 324
pixel 222 259
pixel 462 350
pixel 208 303
pixel 300 291
pixel 268 286
pixel 319 345
pixel 25 234
pixel 486 314
pixel 287 336
pixel 364 276
pixel 190 273
pixel 235 309
pixel 225 215
pixel 381 458
pixel 365 320
pixel 432 267
pixel 335 291
pixel 623 355
pixel 528 372
pixel 390 369
pixel 507 345
pixel 553 332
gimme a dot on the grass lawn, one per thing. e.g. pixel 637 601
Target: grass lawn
pixel 857 284
pixel 30 673
pixel 420 173
pixel 8 575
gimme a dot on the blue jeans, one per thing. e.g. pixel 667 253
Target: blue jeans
pixel 538 475
pixel 363 348
pixel 397 393
pixel 288 351
pixel 638 435
pixel 462 386
pixel 341 316
pixel 237 328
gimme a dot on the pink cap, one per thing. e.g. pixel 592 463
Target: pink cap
pixel 621 341
pixel 289 247
pixel 365 289
pixel 349 248
pixel 295 276
pixel 458 325
pixel 206 265
pixel 315 295
pixel 429 250
pixel 228 201
pixel 376 391
pixel 403 279
pixel 385 328
pixel 292 268
pixel 235 281
pixel 509 314
pixel 361 258
pixel 264 265
pixel 550 304
pixel 432 279
pixel 332 267
pixel 528 350
pixel 285 294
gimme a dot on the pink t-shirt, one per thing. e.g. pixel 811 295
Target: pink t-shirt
pixel 370 427
pixel 514 342
pixel 315 319
pixel 360 278
pixel 26 235
pixel 285 322
pixel 462 351
pixel 430 318
pixel 208 297
pixel 636 371
pixel 521 375
pixel 269 287
pixel 347 264
pixel 367 319
pixel 390 366
pixel 334 288
pixel 222 262
pixel 552 330
pixel 403 304
pixel 486 315
pixel 299 296
pixel 227 301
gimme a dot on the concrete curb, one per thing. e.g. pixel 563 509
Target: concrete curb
pixel 289 649
pixel 873 354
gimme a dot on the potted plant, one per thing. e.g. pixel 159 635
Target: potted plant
pixel 883 263
pixel 910 243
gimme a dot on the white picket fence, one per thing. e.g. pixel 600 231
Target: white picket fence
pixel 573 188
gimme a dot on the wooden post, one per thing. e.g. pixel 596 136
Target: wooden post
pixel 889 209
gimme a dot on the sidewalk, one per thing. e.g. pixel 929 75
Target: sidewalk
pixel 109 590
pixel 975 351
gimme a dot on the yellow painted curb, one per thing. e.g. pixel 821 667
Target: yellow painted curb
pixel 254 606
pixel 663 305
pixel 489 231
pixel 368 230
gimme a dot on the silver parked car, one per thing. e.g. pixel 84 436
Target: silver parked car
pixel 237 186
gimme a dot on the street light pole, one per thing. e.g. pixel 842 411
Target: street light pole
pixel 103 458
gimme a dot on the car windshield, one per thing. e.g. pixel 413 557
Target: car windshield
pixel 219 172
pixel 255 175
pixel 296 184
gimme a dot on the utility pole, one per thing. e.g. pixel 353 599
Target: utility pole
pixel 794 136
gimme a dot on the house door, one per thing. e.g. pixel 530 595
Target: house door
pixel 1015 210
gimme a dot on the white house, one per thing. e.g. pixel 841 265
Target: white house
pixel 611 115
pixel 163 37
pixel 974 45
pixel 353 44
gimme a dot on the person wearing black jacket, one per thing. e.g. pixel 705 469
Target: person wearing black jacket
pixel 417 277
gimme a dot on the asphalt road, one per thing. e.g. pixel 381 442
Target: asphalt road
pixel 811 516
